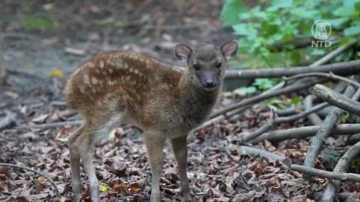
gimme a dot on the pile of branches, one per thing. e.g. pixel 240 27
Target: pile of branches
pixel 342 99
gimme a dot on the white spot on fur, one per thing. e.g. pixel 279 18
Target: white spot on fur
pixel 110 83
pixel 94 80
pixel 86 79
pixel 82 89
pixel 126 66
pixel 91 64
pixel 136 71
pixel 102 64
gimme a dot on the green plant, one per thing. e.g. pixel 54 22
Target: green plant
pixel 259 84
pixel 281 104
pixel 284 21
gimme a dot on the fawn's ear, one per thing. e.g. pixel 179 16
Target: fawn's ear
pixel 183 52
pixel 229 49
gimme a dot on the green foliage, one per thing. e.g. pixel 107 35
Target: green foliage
pixel 281 104
pixel 344 118
pixel 229 13
pixel 35 22
pixel 287 20
pixel 355 165
pixel 259 84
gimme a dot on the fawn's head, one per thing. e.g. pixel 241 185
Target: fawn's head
pixel 206 62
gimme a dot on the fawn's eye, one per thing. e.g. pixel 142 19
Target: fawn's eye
pixel 218 65
pixel 196 66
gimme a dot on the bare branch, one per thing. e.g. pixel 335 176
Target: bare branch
pixel 341 166
pixel 262 153
pixel 306 131
pixel 262 97
pixel 51 125
pixel 35 171
pixel 308 104
pixel 342 196
pixel 326 174
pixel 342 68
pixel 273 122
pixel 337 99
pixel 328 75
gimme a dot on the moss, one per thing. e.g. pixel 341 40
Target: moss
pixel 35 22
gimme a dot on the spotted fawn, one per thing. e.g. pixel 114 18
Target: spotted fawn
pixel 165 101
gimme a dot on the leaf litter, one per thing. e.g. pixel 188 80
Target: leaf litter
pixel 122 167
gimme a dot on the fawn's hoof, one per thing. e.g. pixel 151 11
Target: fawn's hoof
pixel 155 198
pixel 77 197
pixel 187 197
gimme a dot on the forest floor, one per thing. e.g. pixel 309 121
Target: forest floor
pixel 38 62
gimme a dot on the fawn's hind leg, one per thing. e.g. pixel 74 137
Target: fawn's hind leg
pixel 86 142
pixel 85 145
pixel 75 162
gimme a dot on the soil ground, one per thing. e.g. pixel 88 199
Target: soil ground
pixel 40 54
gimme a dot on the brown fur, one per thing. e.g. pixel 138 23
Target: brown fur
pixel 166 102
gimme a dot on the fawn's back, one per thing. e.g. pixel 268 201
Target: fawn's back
pixel 165 101
pixel 138 90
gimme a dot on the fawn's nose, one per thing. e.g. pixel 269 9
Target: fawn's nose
pixel 209 83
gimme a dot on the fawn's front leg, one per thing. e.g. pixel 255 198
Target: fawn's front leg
pixel 154 143
pixel 179 147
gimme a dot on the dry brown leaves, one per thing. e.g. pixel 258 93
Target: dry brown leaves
pixel 124 173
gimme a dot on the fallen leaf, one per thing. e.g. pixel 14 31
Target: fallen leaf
pixel 56 73
pixel 103 188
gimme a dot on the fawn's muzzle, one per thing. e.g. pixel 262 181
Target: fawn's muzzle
pixel 209 83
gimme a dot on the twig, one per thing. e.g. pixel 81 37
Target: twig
pixel 341 166
pixel 337 99
pixel 353 139
pixel 324 132
pixel 262 153
pixel 304 132
pixel 308 104
pixel 20 36
pixel 326 174
pixel 273 122
pixel 2 72
pixel 37 172
pixel 9 118
pixel 340 88
pixel 175 27
pixel 58 104
pixel 328 75
pixel 51 125
pixel 342 68
pixel 336 52
pixel 298 43
pixel 19 72
pixel 287 112
pixel 342 196
pixel 262 97
pixel 321 61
